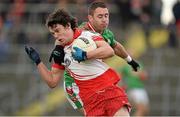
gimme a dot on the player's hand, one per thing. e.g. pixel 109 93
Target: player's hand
pixel 33 54
pixel 57 54
pixel 78 54
pixel 134 65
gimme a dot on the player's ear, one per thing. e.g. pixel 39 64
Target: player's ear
pixel 90 18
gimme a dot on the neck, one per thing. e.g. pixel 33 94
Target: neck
pixel 99 31
pixel 94 28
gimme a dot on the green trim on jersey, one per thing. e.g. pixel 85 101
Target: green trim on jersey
pixel 72 91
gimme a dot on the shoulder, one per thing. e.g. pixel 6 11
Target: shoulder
pixel 108 34
pixel 90 33
pixel 108 31
pixel 83 26
pixel 109 37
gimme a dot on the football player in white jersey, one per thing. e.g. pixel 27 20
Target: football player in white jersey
pixel 97 82
pixel 98 20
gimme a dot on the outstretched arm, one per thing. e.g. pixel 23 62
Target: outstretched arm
pixel 52 77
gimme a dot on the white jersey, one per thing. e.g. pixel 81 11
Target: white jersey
pixel 85 70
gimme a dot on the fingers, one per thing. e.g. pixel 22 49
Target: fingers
pixel 76 48
pixel 31 49
pixel 27 49
pixel 138 67
pixel 135 69
pixel 50 58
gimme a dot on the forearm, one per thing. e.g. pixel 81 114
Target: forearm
pixel 48 76
pixel 120 51
pixel 101 53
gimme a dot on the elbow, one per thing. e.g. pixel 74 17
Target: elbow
pixel 52 85
pixel 111 52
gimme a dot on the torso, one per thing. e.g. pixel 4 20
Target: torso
pixel 89 69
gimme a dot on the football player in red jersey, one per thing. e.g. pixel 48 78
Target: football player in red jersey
pixel 95 79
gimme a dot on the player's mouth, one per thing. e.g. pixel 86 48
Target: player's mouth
pixel 104 25
pixel 61 41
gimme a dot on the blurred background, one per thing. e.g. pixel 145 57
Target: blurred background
pixel 151 28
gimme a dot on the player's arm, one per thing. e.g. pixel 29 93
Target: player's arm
pixel 103 51
pixel 121 52
pixel 119 49
pixel 52 77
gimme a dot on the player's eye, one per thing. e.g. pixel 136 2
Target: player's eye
pixel 100 16
pixel 106 15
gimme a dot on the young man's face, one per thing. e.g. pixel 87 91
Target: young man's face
pixel 100 19
pixel 62 34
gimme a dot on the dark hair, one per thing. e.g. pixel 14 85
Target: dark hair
pixel 94 5
pixel 62 17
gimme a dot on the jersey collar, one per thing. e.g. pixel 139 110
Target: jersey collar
pixel 77 33
pixel 90 26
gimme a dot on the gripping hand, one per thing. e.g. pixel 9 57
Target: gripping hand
pixel 78 54
pixel 134 65
pixel 57 54
pixel 33 54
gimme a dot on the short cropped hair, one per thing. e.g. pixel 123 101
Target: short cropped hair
pixel 94 5
pixel 62 17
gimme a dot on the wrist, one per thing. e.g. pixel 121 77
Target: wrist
pixel 38 61
pixel 128 58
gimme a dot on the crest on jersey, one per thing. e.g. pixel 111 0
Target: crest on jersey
pixel 67 62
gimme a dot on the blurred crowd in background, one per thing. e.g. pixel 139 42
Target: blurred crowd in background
pixel 140 25
pixel 17 13
pixel 17 16
pixel 22 21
